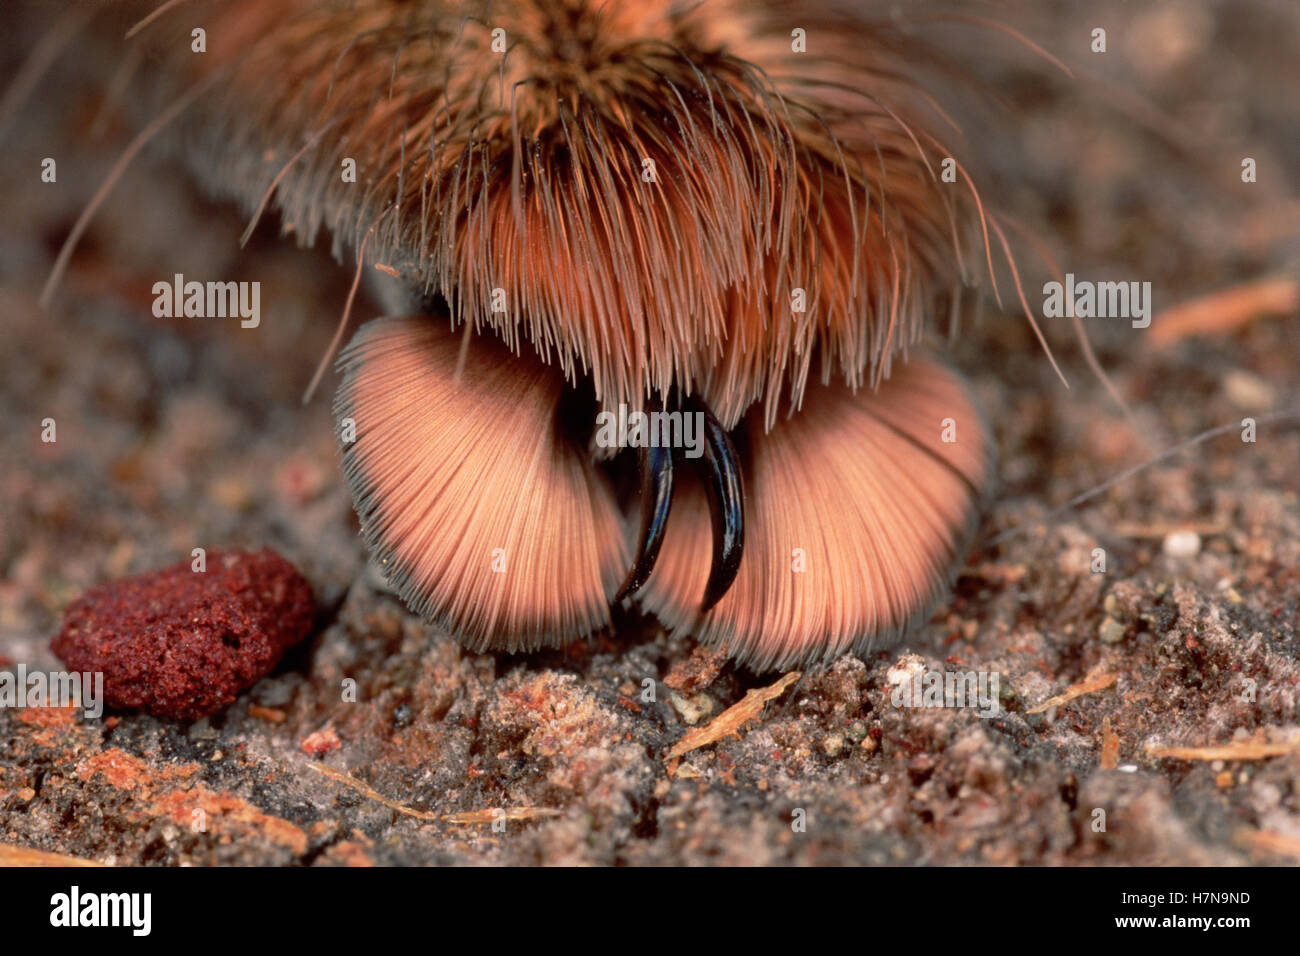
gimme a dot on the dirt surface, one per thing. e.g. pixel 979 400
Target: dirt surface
pixel 176 434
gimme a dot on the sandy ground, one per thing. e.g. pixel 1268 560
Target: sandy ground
pixel 174 435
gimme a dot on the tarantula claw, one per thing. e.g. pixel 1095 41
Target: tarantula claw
pixel 719 469
pixel 656 463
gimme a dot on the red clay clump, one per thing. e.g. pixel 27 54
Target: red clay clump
pixel 183 644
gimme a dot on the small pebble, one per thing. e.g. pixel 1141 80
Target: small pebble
pixel 321 742
pixel 692 710
pixel 1111 631
pixel 184 644
pixel 1182 544
pixel 1248 391
pixel 832 744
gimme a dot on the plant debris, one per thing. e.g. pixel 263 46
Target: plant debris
pixel 469 817
pixel 1090 684
pixel 730 720
pixel 1237 750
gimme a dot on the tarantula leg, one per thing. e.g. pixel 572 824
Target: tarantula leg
pixel 858 510
pixel 656 498
pixel 509 539
pixel 719 470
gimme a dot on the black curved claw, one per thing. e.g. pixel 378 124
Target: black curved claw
pixel 656 498
pixel 719 469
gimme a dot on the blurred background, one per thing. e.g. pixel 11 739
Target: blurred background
pixel 1122 165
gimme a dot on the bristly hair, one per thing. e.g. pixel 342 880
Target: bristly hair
pixel 509 538
pixel 667 194
pixel 858 512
